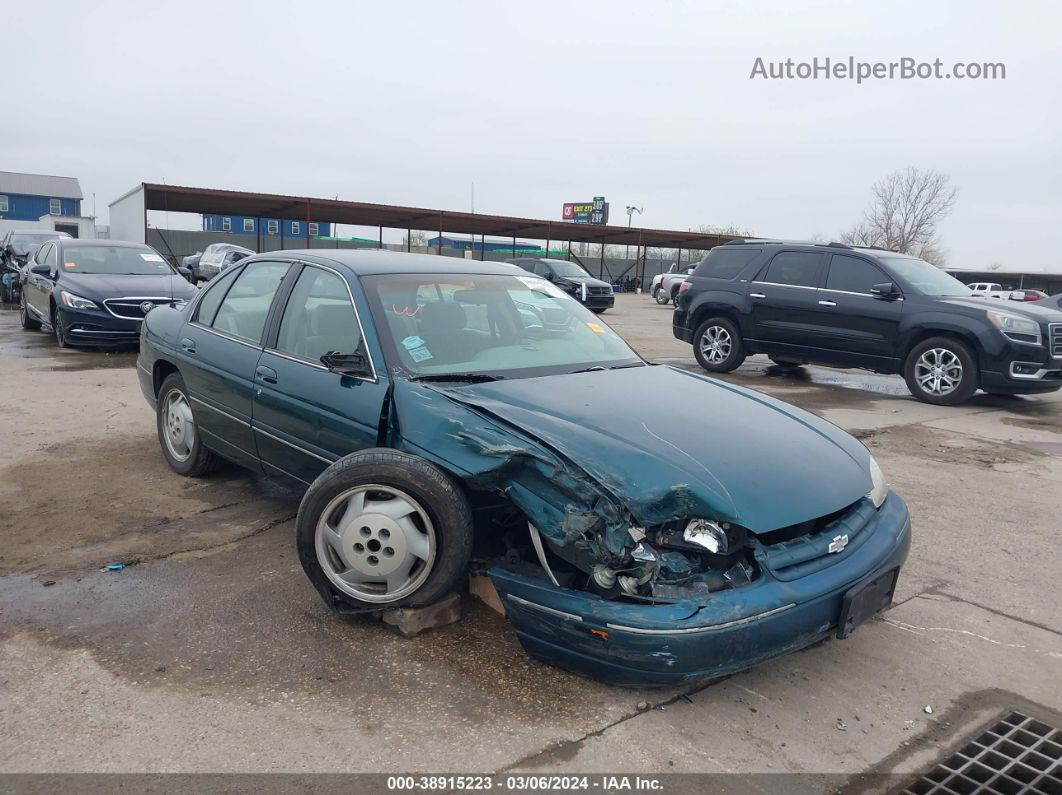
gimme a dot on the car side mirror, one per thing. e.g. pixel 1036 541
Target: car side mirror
pixel 353 364
pixel 185 272
pixel 42 270
pixel 885 290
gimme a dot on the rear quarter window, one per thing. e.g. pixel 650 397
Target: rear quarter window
pixel 726 262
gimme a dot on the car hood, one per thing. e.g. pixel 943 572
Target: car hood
pixel 1040 312
pixel 102 285
pixel 589 281
pixel 665 443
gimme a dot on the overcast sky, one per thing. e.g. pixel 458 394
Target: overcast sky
pixel 540 103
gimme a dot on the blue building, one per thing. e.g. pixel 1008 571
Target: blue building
pixel 268 227
pixel 26 197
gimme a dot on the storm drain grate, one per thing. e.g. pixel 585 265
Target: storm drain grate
pixel 1017 755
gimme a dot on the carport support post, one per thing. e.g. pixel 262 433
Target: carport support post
pixel 409 238
pixel 514 248
pixel 569 251
pixel 601 263
pixel 381 236
pixel 438 240
pixel 307 223
pixel 482 247
pixel 549 234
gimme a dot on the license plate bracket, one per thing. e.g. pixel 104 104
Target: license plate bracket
pixel 866 598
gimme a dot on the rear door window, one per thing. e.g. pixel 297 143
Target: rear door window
pixel 795 268
pixel 244 309
pixel 853 275
pixel 726 262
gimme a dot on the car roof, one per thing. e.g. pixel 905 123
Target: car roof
pixel 104 242
pixel 872 251
pixel 369 262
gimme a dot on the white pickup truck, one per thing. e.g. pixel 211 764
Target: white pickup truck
pixel 665 286
pixel 988 289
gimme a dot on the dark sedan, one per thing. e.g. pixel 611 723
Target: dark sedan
pixel 441 411
pixel 97 292
pixel 594 294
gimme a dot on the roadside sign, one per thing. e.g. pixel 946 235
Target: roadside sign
pixel 595 212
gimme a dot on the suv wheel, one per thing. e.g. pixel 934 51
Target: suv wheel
pixel 718 345
pixel 381 528
pixel 941 371
pixel 661 297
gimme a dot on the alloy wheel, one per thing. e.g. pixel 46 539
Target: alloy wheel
pixel 375 543
pixel 938 371
pixel 179 426
pixel 716 344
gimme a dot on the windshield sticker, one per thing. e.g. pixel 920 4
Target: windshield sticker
pixel 69 264
pixel 596 328
pixel 420 354
pixel 409 343
pixel 151 258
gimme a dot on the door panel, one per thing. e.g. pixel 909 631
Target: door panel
pixel 218 363
pixel 784 300
pixel 305 416
pixel 858 322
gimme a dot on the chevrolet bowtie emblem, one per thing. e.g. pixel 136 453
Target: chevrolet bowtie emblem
pixel 838 543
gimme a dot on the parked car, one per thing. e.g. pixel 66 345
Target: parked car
pixel 1051 301
pixel 15 250
pixel 594 294
pixel 987 289
pixel 205 265
pixel 432 422
pixel 1027 295
pixel 665 286
pixel 97 292
pixel 859 307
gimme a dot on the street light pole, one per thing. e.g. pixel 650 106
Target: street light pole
pixel 631 210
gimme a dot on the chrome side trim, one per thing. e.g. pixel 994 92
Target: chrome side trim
pixel 1038 375
pixel 223 335
pixel 219 411
pixel 691 630
pixel 116 332
pixel 298 359
pixel 143 369
pixel 797 286
pixel 292 445
pixel 543 608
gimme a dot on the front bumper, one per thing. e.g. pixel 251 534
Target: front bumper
pixel 632 644
pixel 1016 368
pixel 99 327
pixel 599 301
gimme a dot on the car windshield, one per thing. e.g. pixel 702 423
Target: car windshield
pixel 927 279
pixel 503 326
pixel 114 260
pixel 567 269
pixel 21 244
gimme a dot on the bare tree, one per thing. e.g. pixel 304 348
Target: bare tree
pixel 731 230
pixel 903 216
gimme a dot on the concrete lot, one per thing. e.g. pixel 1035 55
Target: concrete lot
pixel 213 653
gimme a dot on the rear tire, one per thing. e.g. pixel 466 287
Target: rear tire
pixel 941 371
pixel 181 442
pixel 382 514
pixel 599 311
pixel 28 323
pixel 661 297
pixel 718 346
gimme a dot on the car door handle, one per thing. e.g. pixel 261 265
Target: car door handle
pixel 827 303
pixel 266 374
pixel 757 295
pixel 187 345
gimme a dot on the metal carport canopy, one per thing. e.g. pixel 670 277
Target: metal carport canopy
pixel 176 198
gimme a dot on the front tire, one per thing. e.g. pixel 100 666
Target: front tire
pixel 28 323
pixel 382 529
pixel 182 444
pixel 59 328
pixel 718 346
pixel 941 371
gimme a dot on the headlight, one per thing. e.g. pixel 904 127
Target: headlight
pixel 878 493
pixel 1015 327
pixel 76 301
pixel 706 533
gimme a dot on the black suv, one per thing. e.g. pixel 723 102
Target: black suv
pixel 862 307
pixel 594 294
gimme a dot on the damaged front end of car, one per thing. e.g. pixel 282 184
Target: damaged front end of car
pixel 626 571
